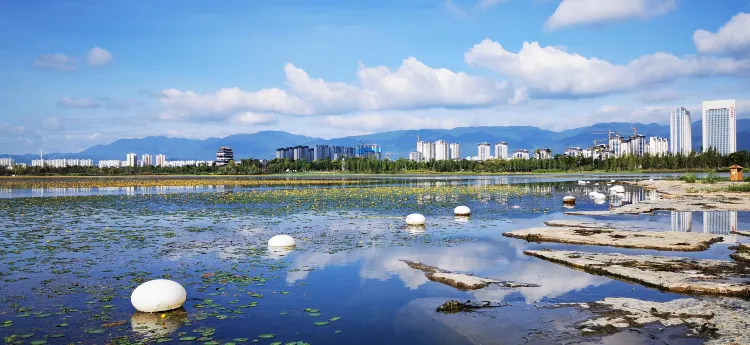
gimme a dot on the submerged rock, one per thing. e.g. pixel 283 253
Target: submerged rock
pixel 460 281
pixel 454 306
pixel 742 253
pixel 606 236
pixel 685 275
pixel 722 320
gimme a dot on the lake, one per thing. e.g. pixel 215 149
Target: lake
pixel 70 258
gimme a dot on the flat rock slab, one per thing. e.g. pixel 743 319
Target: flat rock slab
pixel 741 233
pixel 683 275
pixel 742 253
pixel 461 281
pixel 666 240
pixel 722 320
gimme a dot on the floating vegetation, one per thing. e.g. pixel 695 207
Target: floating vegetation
pixel 454 306
pixel 62 182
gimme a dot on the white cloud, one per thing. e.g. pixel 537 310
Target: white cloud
pixel 77 103
pixel 98 57
pixel 454 10
pixel 732 38
pixel 577 12
pixel 484 4
pixel 412 86
pixel 551 70
pixel 254 119
pixel 59 61
pixel 220 105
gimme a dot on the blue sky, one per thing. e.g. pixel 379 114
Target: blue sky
pixel 78 73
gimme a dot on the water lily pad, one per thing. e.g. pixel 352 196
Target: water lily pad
pixel 267 336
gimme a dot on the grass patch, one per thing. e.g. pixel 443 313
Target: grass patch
pixel 711 178
pixel 688 178
pixel 738 188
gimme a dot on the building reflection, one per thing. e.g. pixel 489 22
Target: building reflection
pixel 682 221
pixel 718 222
pixel 714 222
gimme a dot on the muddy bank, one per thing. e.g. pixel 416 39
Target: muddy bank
pixel 742 253
pixel 683 275
pixel 607 236
pixel 460 281
pixel 720 321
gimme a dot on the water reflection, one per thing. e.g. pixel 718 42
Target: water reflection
pixel 152 325
pixel 714 222
pixel 500 260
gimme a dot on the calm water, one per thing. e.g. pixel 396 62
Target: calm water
pixel 68 264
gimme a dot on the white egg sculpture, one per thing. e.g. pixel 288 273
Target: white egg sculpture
pixel 158 295
pixel 285 241
pixel 415 219
pixel 462 211
pixel 569 200
pixel 600 196
pixel 617 189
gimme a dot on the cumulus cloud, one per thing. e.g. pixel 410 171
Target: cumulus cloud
pixel 577 12
pixel 221 104
pixel 412 86
pixel 77 103
pixel 59 62
pixel 98 57
pixel 254 119
pixel 554 71
pixel 732 38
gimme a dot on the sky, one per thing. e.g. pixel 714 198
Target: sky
pixel 76 73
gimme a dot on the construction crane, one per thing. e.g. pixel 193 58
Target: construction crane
pixel 609 138
pixel 597 140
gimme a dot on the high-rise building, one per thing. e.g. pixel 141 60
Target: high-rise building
pixel 368 151
pixel 682 221
pixel 131 160
pixel 573 151
pixel 427 148
pixel 442 152
pixel 638 145
pixel 501 150
pixel 657 146
pixel 680 133
pixel 224 155
pixel 455 151
pixel 322 152
pixel 614 145
pixel 146 160
pixel 415 156
pixel 483 151
pixel 6 162
pixel 520 154
pixel 543 154
pixel 161 160
pixel 720 126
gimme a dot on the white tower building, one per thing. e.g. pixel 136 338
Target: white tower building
pixel 680 133
pixel 720 126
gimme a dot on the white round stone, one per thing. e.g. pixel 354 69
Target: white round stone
pixel 569 199
pixel 158 295
pixel 415 219
pixel 282 241
pixel 462 211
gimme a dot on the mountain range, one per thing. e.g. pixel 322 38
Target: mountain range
pixel 398 143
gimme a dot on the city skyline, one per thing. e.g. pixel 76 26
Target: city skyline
pixel 334 68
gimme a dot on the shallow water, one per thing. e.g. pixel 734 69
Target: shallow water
pixel 68 264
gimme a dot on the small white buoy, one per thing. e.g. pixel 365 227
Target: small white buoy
pixel 282 241
pixel 569 200
pixel 516 206
pixel 415 219
pixel 158 295
pixel 462 211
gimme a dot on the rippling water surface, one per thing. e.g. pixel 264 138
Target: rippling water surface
pixel 69 260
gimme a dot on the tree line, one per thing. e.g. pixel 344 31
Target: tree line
pixel 710 160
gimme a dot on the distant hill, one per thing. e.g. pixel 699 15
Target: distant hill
pixel 397 143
